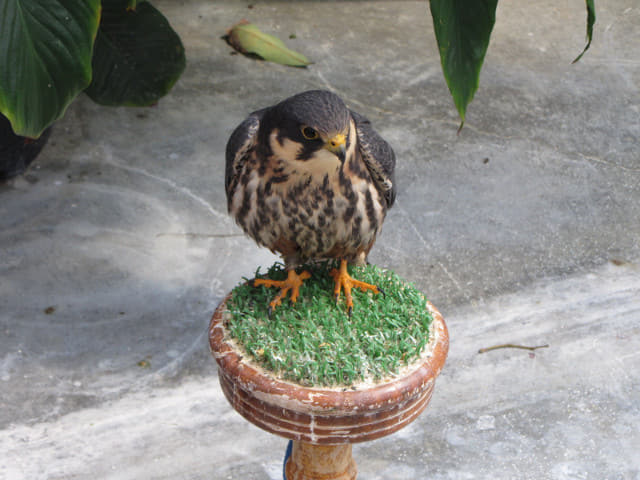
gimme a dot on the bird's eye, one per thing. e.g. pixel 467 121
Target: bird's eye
pixel 309 133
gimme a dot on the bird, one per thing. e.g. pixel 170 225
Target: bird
pixel 311 180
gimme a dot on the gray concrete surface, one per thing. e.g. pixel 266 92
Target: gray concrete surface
pixel 115 248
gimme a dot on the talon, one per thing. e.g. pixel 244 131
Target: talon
pixel 384 295
pixel 291 284
pixel 344 282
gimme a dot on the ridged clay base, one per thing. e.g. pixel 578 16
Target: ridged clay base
pixel 326 416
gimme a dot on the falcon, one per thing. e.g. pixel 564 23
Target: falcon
pixel 310 179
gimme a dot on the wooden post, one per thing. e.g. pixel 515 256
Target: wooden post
pixel 320 462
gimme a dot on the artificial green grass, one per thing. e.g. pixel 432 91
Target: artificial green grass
pixel 315 343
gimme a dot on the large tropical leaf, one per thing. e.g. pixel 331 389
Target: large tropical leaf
pixel 45 58
pixel 591 19
pixel 138 56
pixel 463 29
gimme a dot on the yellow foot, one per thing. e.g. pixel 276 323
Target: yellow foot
pixel 346 282
pixel 293 283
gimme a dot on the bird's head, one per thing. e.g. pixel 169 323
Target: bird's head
pixel 312 126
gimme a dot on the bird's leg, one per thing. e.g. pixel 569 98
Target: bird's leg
pixel 292 283
pixel 346 282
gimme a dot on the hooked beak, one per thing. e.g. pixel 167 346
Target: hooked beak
pixel 338 146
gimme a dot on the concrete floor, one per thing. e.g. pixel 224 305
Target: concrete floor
pixel 115 248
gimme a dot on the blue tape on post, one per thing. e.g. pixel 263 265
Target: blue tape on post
pixel 287 454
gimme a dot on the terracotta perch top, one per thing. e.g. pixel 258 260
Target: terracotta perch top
pixel 322 415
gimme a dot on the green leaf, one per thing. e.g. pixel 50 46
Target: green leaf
pixel 591 19
pixel 45 59
pixel 249 39
pixel 137 58
pixel 463 29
